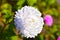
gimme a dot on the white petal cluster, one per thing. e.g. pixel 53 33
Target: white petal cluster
pixel 28 21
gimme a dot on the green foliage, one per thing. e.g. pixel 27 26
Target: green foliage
pixel 20 3
pixel 43 3
pixel 6 10
pixel 53 37
pixel 50 2
pixel 54 29
pixel 31 2
pixel 40 37
pixel 14 38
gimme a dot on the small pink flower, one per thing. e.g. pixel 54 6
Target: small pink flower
pixel 48 20
pixel 58 38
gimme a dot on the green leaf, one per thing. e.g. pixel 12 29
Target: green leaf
pixel 50 2
pixel 31 2
pixel 7 15
pixel 6 6
pixel 52 36
pixel 14 38
pixel 43 3
pixel 10 20
pixel 40 37
pixel 20 3
pixel 58 33
pixel 54 29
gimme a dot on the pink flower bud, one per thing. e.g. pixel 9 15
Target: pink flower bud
pixel 48 20
pixel 58 38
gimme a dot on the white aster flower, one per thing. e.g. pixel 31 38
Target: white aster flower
pixel 28 21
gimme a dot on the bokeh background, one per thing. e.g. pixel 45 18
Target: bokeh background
pixel 7 12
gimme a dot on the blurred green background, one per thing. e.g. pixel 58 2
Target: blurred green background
pixel 7 12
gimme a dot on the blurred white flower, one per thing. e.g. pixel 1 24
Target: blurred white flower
pixel 28 21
